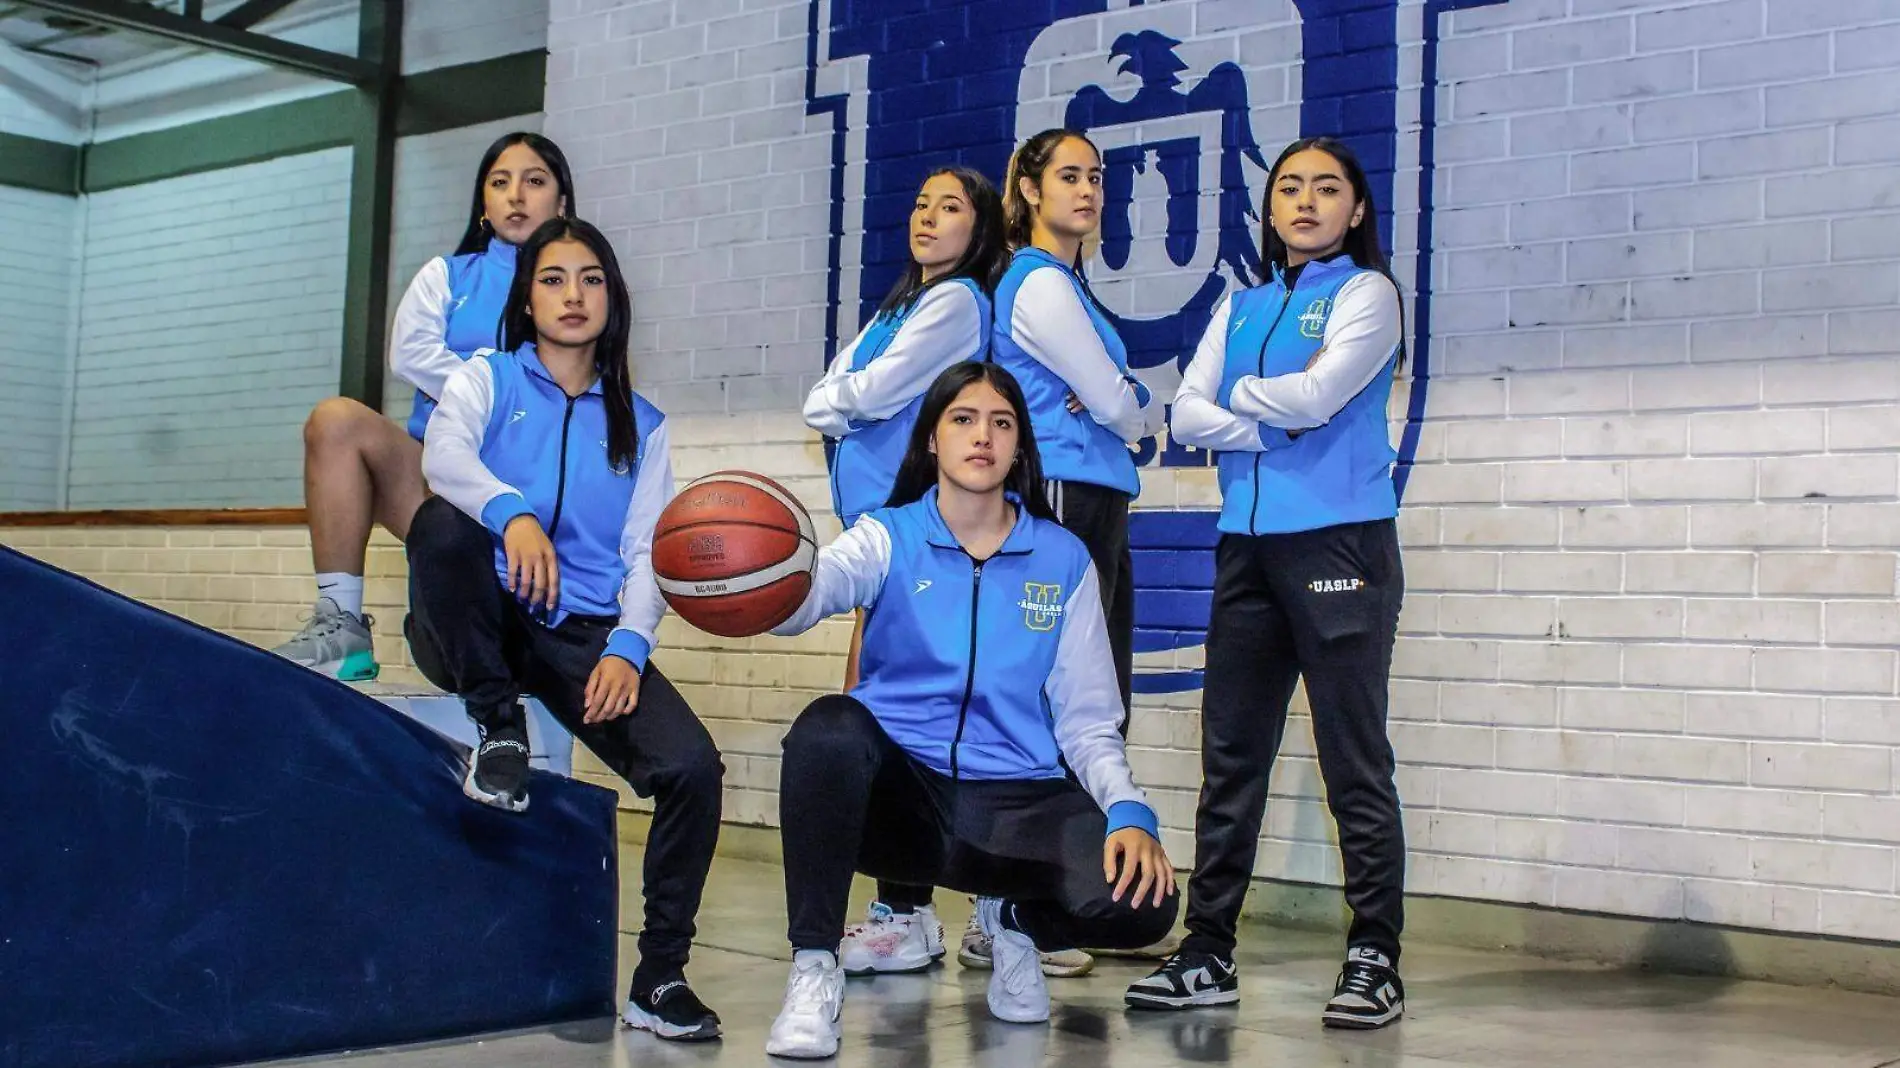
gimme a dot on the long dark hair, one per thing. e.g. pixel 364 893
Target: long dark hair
pixel 918 473
pixel 475 236
pixel 982 262
pixel 610 351
pixel 1029 161
pixel 1362 241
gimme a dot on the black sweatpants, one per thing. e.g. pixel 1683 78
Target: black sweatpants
pixel 472 637
pixel 1099 516
pixel 851 800
pixel 1323 605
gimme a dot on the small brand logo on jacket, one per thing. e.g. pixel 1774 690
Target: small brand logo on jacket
pixel 1041 605
pixel 1345 585
pixel 1313 319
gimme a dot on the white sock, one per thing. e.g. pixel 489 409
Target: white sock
pixel 345 589
pixel 815 956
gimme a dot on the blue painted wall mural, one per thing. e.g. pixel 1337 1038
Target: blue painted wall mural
pixel 1188 119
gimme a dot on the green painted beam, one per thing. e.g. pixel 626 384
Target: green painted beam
pixel 372 206
pixel 291 129
pixel 450 98
pixel 31 163
pixel 428 102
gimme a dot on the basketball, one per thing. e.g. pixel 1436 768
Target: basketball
pixel 734 554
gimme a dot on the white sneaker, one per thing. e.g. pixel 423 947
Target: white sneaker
pixel 974 952
pixel 807 1027
pixel 892 943
pixel 1017 991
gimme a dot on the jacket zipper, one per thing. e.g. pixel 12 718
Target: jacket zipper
pixel 560 488
pixel 1253 520
pixel 969 678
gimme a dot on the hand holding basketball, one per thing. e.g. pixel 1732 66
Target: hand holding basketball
pixel 734 553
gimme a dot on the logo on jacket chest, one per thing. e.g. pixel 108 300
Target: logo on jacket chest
pixel 1041 605
pixel 1313 319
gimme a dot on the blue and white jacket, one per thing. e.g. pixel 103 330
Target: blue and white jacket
pixel 1056 341
pixel 1311 351
pixel 508 441
pixel 953 646
pixel 870 395
pixel 451 310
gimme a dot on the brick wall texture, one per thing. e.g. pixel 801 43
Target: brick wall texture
pixel 1648 653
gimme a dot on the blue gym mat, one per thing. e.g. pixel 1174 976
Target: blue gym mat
pixel 209 855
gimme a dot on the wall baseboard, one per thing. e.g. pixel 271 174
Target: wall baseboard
pixel 1672 947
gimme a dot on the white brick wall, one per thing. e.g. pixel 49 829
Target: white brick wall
pixel 39 266
pixel 1705 443
pixel 212 322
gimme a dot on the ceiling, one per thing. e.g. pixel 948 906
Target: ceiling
pixel 70 41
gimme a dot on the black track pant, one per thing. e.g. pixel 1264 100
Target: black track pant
pixel 1099 516
pixel 470 636
pixel 851 800
pixel 1323 605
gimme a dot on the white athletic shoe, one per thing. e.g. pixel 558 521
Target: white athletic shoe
pixel 974 952
pixel 807 1026
pixel 892 943
pixel 1018 993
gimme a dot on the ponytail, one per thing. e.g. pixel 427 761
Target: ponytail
pixel 1030 161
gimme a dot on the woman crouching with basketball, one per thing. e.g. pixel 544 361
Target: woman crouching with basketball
pixel 985 667
pixel 531 572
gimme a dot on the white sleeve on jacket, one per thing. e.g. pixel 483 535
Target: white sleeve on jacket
pixel 819 414
pixel 418 353
pixel 1198 419
pixel 1053 327
pixel 1086 701
pixel 1362 333
pixel 945 328
pixel 641 604
pixel 452 446
pixel 850 573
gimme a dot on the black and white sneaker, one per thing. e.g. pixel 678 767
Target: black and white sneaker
pixel 498 769
pixel 1368 994
pixel 1187 980
pixel 671 1011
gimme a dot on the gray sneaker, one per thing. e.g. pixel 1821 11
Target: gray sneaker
pixel 335 643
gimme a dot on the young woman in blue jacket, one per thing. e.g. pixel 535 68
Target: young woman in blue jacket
pixel 1052 334
pixel 1289 388
pixel 531 571
pixel 938 314
pixel 985 679
pixel 360 468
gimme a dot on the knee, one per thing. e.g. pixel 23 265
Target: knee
pixel 1152 923
pixel 833 731
pixel 439 530
pixel 335 423
pixel 701 772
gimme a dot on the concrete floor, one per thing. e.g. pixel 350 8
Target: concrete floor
pixel 1464 1008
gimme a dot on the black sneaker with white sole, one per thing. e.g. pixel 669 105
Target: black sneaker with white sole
pixel 1369 993
pixel 671 1011
pixel 1187 980
pixel 498 769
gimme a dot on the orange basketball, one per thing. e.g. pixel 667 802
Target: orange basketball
pixel 734 554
